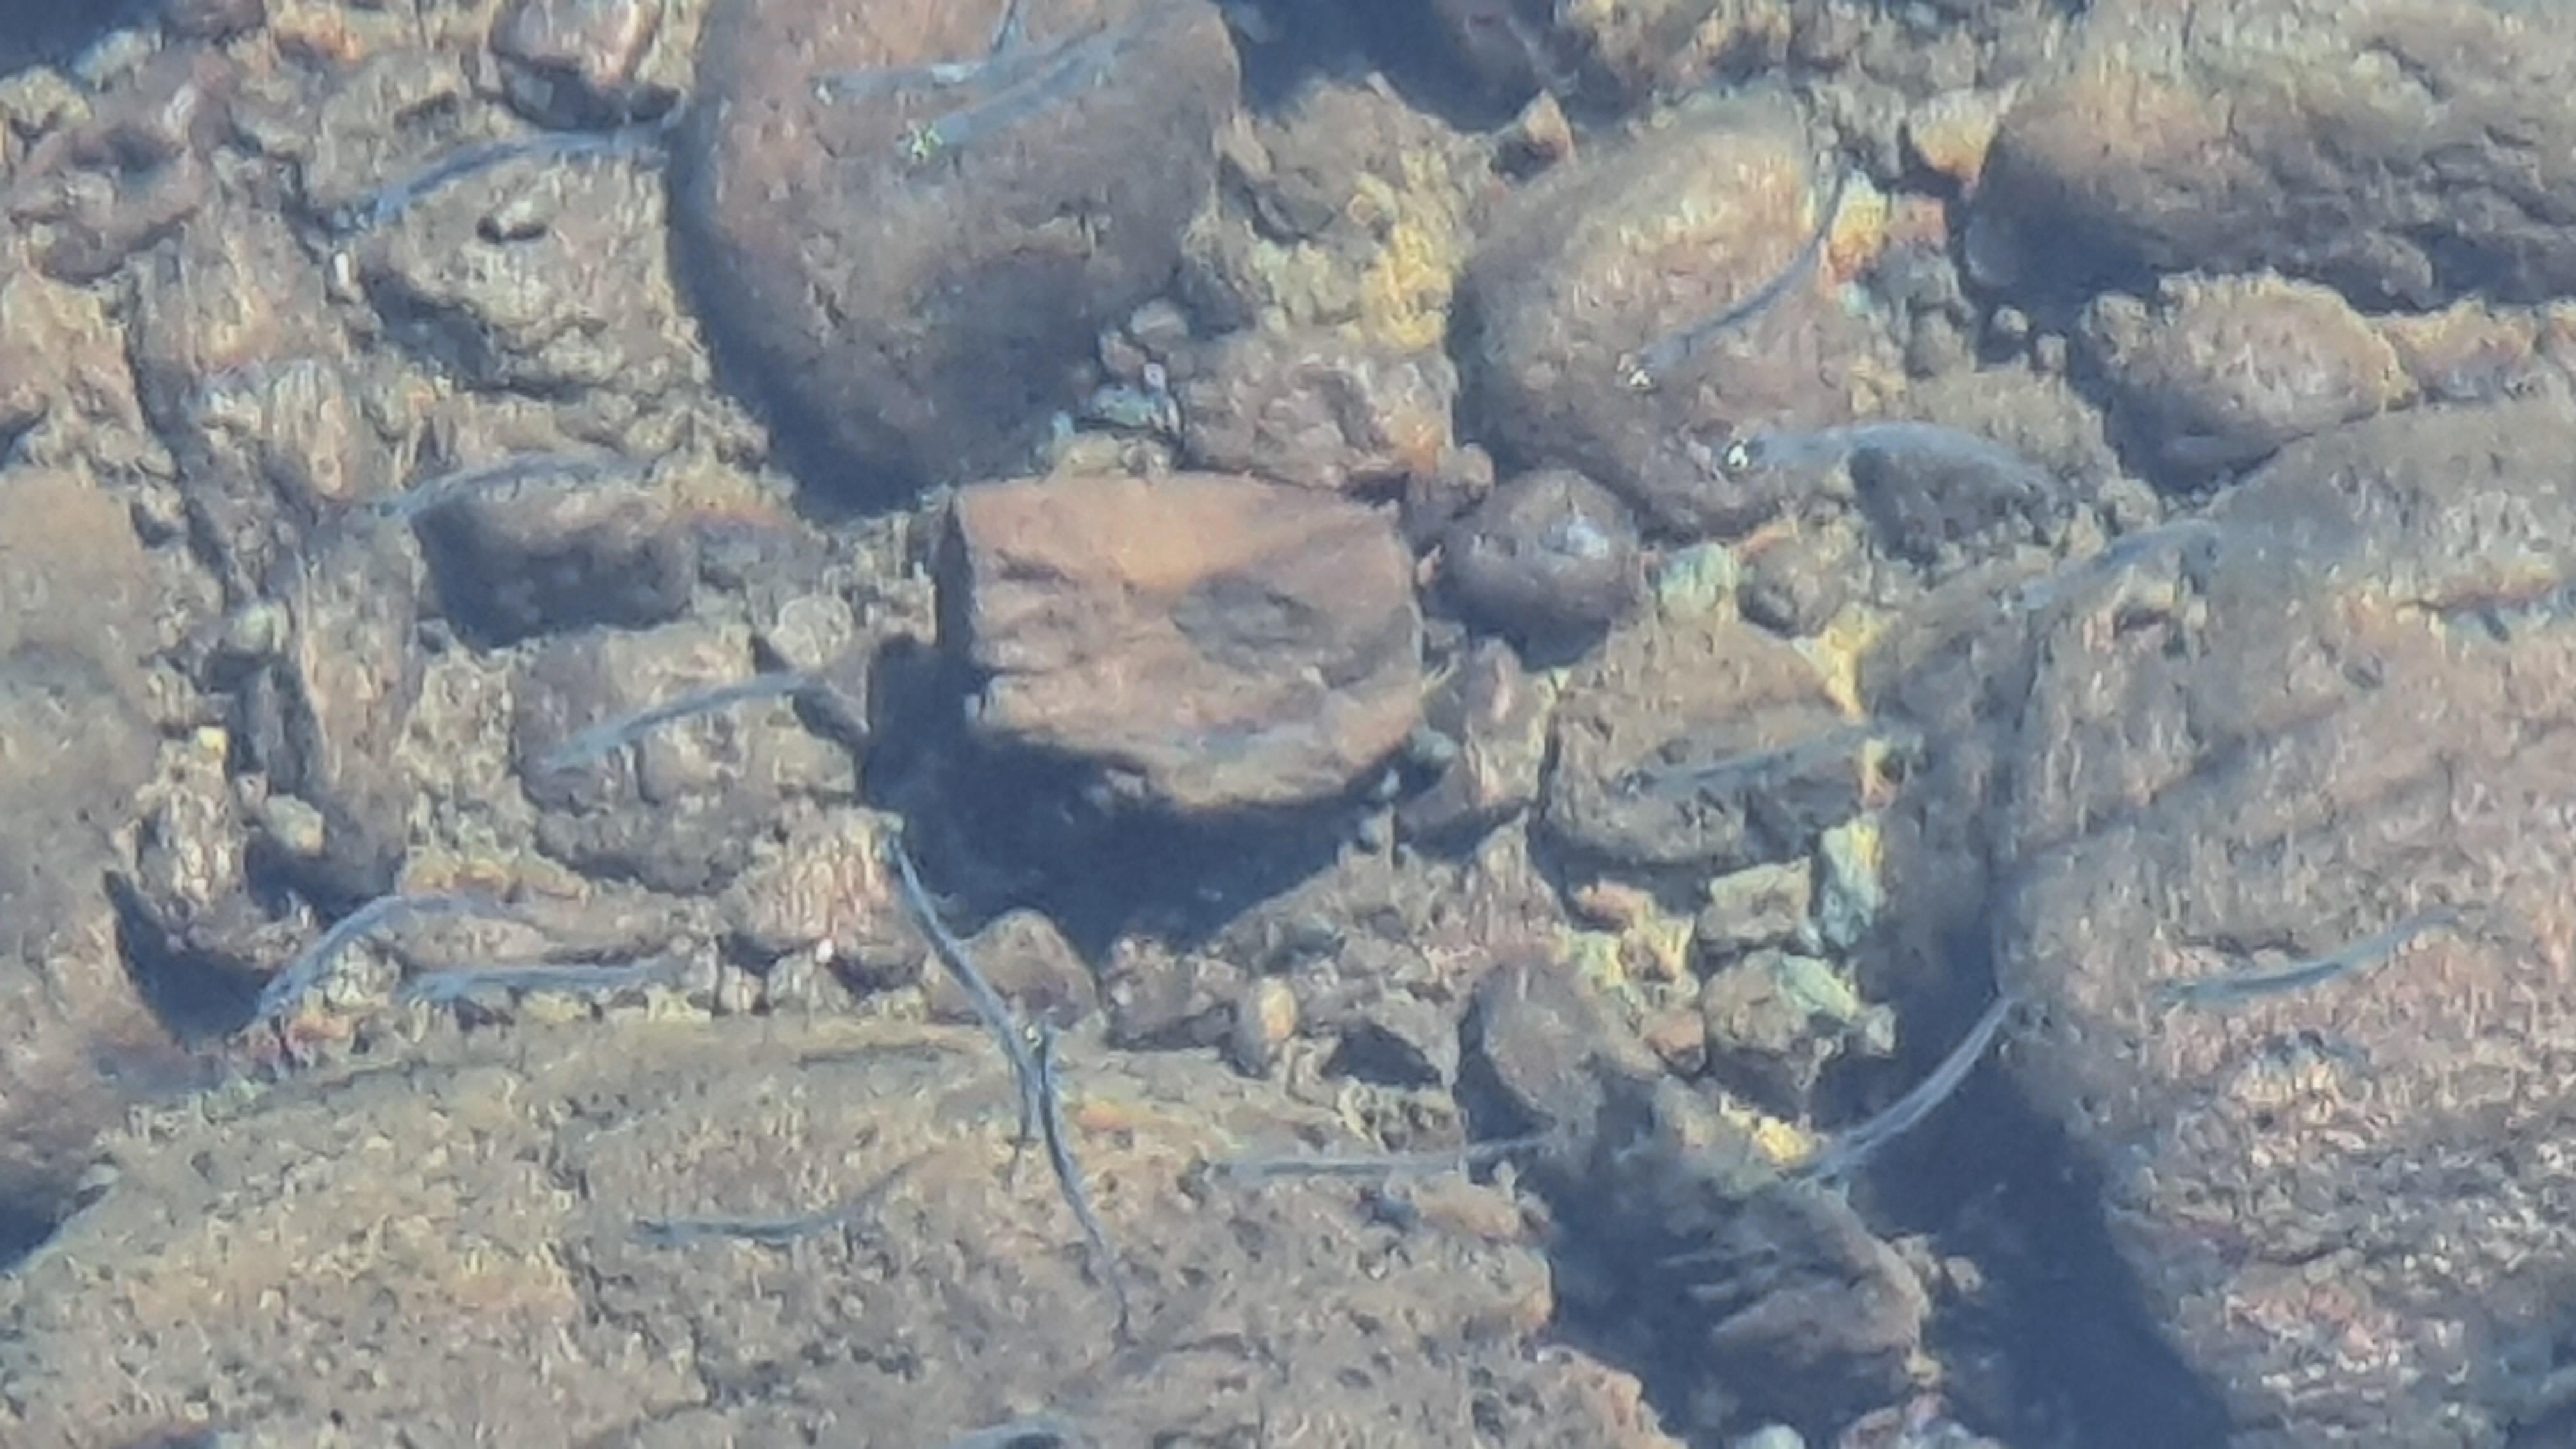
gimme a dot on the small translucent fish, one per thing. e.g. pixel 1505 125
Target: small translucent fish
pixel 1254 1171
pixel 1947 447
pixel 575 467
pixel 2235 988
pixel 300 975
pixel 444 988
pixel 642 140
pixel 1027 82
pixel 1683 780
pixel 989 1007
pixel 1643 371
pixel 773 1232
pixel 595 742
pixel 1043 1432
pixel 1068 1178
pixel 1851 1148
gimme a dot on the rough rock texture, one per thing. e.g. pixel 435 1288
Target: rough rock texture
pixel 553 548
pixel 329 714
pixel 456 1251
pixel 1619 54
pixel 1632 315
pixel 1699 745
pixel 132 173
pixel 1207 643
pixel 76 605
pixel 680 806
pixel 546 274
pixel 2351 705
pixel 2222 371
pixel 1488 718
pixel 1771 1298
pixel 575 62
pixel 1340 210
pixel 1549 559
pixel 918 269
pixel 1315 410
pixel 2401 151
pixel 67 387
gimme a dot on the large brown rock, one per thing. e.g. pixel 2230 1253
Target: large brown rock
pixel 767 1231
pixel 918 266
pixel 2402 151
pixel 1209 643
pixel 2350 705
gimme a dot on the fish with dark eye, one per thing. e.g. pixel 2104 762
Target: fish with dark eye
pixel 1925 486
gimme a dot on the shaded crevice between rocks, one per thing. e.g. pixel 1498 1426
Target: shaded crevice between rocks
pixel 2082 1341
pixel 196 998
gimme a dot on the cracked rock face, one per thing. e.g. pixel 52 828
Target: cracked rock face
pixel 2346 1197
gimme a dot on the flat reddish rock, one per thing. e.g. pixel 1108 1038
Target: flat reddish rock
pixel 1211 643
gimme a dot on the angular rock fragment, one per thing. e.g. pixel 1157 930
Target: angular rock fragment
pixel 132 173
pixel 1485 738
pixel 1310 410
pixel 1205 643
pixel 1691 746
pixel 329 715
pixel 542 271
pixel 1774 1298
pixel 574 62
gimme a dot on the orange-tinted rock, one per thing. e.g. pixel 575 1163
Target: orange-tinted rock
pixel 1209 643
